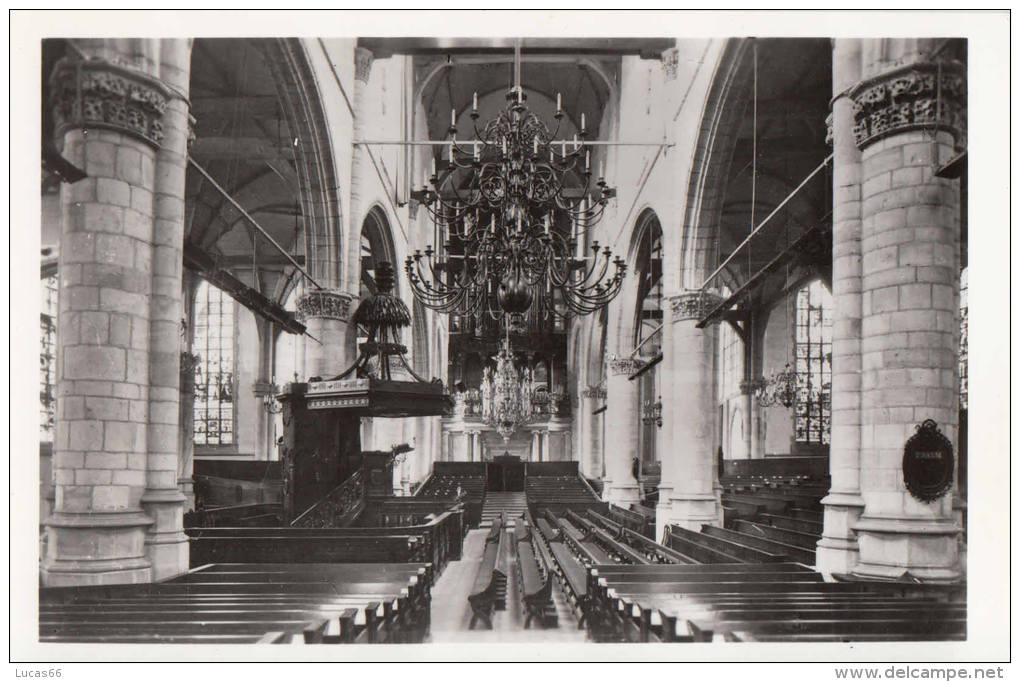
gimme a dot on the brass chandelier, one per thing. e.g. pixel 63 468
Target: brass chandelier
pixel 506 395
pixel 509 210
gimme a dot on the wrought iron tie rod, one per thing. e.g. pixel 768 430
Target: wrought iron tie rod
pixel 446 143
pixel 769 217
pixel 235 204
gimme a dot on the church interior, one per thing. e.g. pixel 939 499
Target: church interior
pixel 429 340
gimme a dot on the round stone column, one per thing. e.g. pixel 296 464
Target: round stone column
pixel 837 550
pixel 166 545
pixel 687 491
pixel 109 119
pixel 907 121
pixel 622 425
pixel 363 59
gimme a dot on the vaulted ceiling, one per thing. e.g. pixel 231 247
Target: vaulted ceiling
pixel 243 141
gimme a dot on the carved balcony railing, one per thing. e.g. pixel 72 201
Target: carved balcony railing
pixel 338 508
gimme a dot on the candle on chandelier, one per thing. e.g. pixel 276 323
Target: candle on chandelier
pixel 518 222
pixel 474 146
pixel 535 140
pixel 451 153
pixel 504 146
pixel 602 169
pixel 582 123
pixel 433 167
pixel 575 142
pixel 520 94
pixel 587 160
pixel 453 118
pixel 559 103
pixel 547 223
pixel 563 149
pixel 474 101
pixel 492 222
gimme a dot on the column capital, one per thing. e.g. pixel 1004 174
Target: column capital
pixel 98 94
pixel 325 303
pixel 594 392
pixel 618 364
pixel 920 96
pixel 363 58
pixel 692 305
pixel 670 59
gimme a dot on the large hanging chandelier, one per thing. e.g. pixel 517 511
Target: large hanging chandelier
pixel 509 210
pixel 506 395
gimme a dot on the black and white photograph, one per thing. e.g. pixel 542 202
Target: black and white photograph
pixel 510 336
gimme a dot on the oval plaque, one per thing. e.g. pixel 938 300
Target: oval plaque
pixel 928 463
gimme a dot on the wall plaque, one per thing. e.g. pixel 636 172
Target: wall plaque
pixel 928 463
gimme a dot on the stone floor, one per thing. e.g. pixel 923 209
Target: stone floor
pixel 451 612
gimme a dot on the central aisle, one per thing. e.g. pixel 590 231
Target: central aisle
pixel 451 612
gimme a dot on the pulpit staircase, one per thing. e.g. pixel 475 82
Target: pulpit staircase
pixel 511 505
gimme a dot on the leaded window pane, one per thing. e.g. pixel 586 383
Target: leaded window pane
pixel 813 350
pixel 47 358
pixel 214 373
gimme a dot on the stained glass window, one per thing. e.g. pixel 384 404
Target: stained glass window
pixel 963 340
pixel 214 373
pixel 813 345
pixel 47 358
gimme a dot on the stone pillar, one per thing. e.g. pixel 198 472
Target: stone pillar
pixel 906 122
pixel 687 492
pixel 545 454
pixel 360 167
pixel 109 119
pixel 837 550
pixel 622 424
pixel 325 313
pixel 166 544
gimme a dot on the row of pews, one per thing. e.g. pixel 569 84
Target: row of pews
pixel 625 587
pixel 437 542
pixel 447 485
pixel 543 491
pixel 779 602
pixel 534 575
pixel 488 593
pixel 274 603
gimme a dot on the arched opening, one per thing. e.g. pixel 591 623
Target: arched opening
pixel 647 264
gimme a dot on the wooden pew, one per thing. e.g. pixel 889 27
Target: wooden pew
pixel 791 523
pixel 568 569
pixel 489 590
pixel 762 543
pixel 536 588
pixel 581 544
pixel 806 541
pixel 437 541
pixel 775 602
pixel 322 603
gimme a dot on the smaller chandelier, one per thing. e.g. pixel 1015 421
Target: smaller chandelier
pixel 779 389
pixel 652 412
pixel 506 395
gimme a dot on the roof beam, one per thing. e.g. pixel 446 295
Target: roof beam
pixel 646 48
